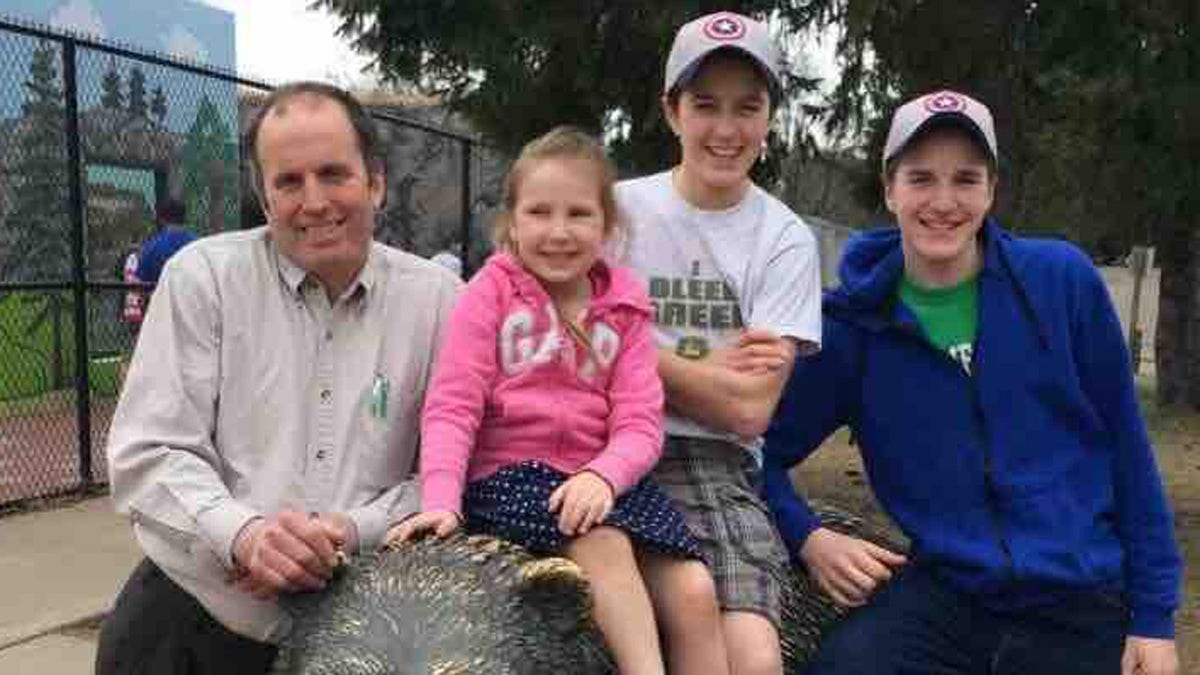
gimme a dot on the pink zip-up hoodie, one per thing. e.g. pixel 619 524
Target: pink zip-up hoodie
pixel 512 385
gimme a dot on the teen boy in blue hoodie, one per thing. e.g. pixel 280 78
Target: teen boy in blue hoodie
pixel 987 382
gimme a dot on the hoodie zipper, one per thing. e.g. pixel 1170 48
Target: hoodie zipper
pixel 992 495
pixel 989 479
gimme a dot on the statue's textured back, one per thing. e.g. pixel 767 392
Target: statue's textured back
pixel 480 605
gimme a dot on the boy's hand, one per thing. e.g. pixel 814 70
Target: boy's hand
pixel 440 523
pixel 1149 656
pixel 758 351
pixel 847 568
pixel 581 503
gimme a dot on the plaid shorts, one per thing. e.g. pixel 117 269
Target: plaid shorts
pixel 715 483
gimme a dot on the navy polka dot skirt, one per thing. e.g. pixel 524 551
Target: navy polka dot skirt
pixel 513 504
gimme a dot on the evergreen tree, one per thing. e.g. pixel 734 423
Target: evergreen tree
pixel 137 92
pixel 1146 120
pixel 1097 104
pixel 517 68
pixel 112 97
pixel 41 251
pixel 209 171
pixel 158 105
pixel 1098 110
pixel 41 232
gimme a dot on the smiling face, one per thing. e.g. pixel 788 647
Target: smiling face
pixel 940 191
pixel 721 119
pixel 319 196
pixel 558 223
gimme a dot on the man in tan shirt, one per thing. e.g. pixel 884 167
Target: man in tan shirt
pixel 270 414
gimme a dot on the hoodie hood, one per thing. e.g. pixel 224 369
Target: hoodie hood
pixel 870 268
pixel 873 263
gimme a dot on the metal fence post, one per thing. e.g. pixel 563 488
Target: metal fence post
pixel 79 263
pixel 466 208
pixel 1138 260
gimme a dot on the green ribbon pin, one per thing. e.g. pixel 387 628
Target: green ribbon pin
pixel 379 397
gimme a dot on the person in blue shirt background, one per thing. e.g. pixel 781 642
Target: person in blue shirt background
pixel 987 382
pixel 169 236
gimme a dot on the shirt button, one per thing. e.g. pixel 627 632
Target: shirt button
pixel 326 395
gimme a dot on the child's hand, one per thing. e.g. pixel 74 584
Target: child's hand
pixel 441 523
pixel 581 503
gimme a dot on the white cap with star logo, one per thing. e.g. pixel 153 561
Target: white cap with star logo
pixel 700 37
pixel 940 107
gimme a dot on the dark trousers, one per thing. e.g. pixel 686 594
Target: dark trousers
pixel 917 625
pixel 157 628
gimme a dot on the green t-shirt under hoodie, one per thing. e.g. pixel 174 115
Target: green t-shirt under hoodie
pixel 948 315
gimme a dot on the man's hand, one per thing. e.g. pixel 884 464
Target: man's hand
pixel 289 551
pixel 343 529
pixel 847 568
pixel 1149 656
pixel 581 503
pixel 441 523
pixel 758 351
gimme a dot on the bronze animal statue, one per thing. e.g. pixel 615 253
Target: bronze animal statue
pixel 470 604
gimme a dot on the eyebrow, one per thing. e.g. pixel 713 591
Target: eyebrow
pixel 923 171
pixel 755 96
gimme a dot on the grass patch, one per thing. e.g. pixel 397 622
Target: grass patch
pixel 27 347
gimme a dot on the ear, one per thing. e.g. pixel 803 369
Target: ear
pixel 557 588
pixel 670 113
pixel 377 185
pixel 887 193
pixel 263 204
pixel 991 198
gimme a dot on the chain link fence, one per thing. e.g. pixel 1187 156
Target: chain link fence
pixel 94 138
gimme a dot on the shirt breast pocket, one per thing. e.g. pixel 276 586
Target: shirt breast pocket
pixel 386 426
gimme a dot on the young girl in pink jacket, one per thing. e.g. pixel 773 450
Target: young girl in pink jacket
pixel 545 411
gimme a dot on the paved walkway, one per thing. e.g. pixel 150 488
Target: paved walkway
pixel 59 568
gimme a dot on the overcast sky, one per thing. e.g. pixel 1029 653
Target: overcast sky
pixel 281 40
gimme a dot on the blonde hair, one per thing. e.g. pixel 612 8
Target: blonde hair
pixel 562 142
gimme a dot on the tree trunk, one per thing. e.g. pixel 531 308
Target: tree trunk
pixel 1177 338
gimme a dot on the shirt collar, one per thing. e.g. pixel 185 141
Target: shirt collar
pixel 294 277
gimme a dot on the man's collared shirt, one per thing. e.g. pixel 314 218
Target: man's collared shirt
pixel 252 392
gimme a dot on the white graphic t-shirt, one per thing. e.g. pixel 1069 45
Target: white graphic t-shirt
pixel 712 274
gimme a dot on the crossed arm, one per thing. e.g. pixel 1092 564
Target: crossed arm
pixel 734 389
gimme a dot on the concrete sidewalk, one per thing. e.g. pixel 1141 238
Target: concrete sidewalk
pixel 50 654
pixel 59 568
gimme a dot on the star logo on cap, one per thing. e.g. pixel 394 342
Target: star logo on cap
pixel 725 27
pixel 944 102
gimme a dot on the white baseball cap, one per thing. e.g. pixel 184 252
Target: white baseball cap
pixel 949 107
pixel 700 37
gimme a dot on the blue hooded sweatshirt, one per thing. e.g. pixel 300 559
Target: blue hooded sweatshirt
pixel 1026 481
